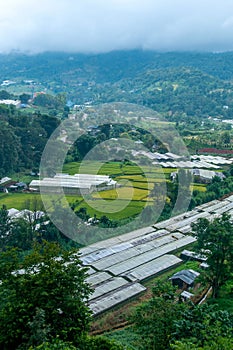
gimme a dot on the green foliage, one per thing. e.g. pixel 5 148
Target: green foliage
pixel 22 233
pixel 183 83
pixel 44 290
pixel 18 233
pixel 165 323
pixel 215 239
pixel 218 343
pixel 101 343
pixel 24 98
pixel 216 189
pixel 56 344
pixel 4 95
pixel 203 327
pixel 126 336
pixel 154 320
pixel 23 138
pixel 49 101
pixel 9 149
pixel 86 343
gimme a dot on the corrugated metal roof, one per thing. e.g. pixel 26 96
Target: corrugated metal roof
pixel 108 286
pixel 185 229
pixel 188 221
pixel 206 205
pixel 102 253
pixel 230 199
pixel 116 297
pixel 98 277
pixel 213 208
pixel 73 181
pixel 224 209
pixel 133 252
pixel 133 262
pixel 90 271
pixel 187 276
pixel 136 233
pixel 177 218
pixel 152 268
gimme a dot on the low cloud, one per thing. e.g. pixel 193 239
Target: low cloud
pixel 101 26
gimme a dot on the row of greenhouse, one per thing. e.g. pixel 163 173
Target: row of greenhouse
pixel 117 266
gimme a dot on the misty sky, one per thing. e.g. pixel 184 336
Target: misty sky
pixel 105 25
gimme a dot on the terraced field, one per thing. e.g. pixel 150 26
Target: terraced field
pixel 126 201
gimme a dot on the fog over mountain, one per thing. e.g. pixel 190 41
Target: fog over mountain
pixel 101 26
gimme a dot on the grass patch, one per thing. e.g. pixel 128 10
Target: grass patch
pixel 126 337
pixel 114 168
pixel 87 167
pixel 198 187
pixel 20 200
pixel 27 200
pixel 130 193
pixel 120 209
pixel 140 179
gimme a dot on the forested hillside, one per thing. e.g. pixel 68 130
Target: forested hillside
pixel 111 66
pixel 198 84
pixel 23 138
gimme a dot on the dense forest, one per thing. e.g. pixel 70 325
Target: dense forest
pixel 23 138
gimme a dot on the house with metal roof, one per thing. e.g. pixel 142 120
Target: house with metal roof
pixel 184 278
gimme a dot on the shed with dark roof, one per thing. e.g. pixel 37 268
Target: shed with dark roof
pixel 184 278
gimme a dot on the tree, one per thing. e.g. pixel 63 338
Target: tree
pixel 5 95
pixel 203 327
pixel 154 320
pixel 50 101
pixel 84 144
pixel 5 226
pixel 24 98
pixel 88 343
pixel 215 239
pixel 225 137
pixel 100 343
pixel 218 343
pixel 9 149
pixel 46 287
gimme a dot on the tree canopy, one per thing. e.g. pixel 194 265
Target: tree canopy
pixel 215 241
pixel 43 295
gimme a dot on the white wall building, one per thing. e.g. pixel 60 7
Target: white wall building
pixel 16 103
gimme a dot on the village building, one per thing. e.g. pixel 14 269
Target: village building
pixel 184 279
pixel 16 103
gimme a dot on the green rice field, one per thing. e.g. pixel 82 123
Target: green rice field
pixel 123 202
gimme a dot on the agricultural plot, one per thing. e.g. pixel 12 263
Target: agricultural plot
pixel 123 262
pixel 21 200
pixel 93 167
pixel 24 200
pixel 119 209
pixel 135 194
pixel 198 187
pixel 114 168
pixel 124 202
